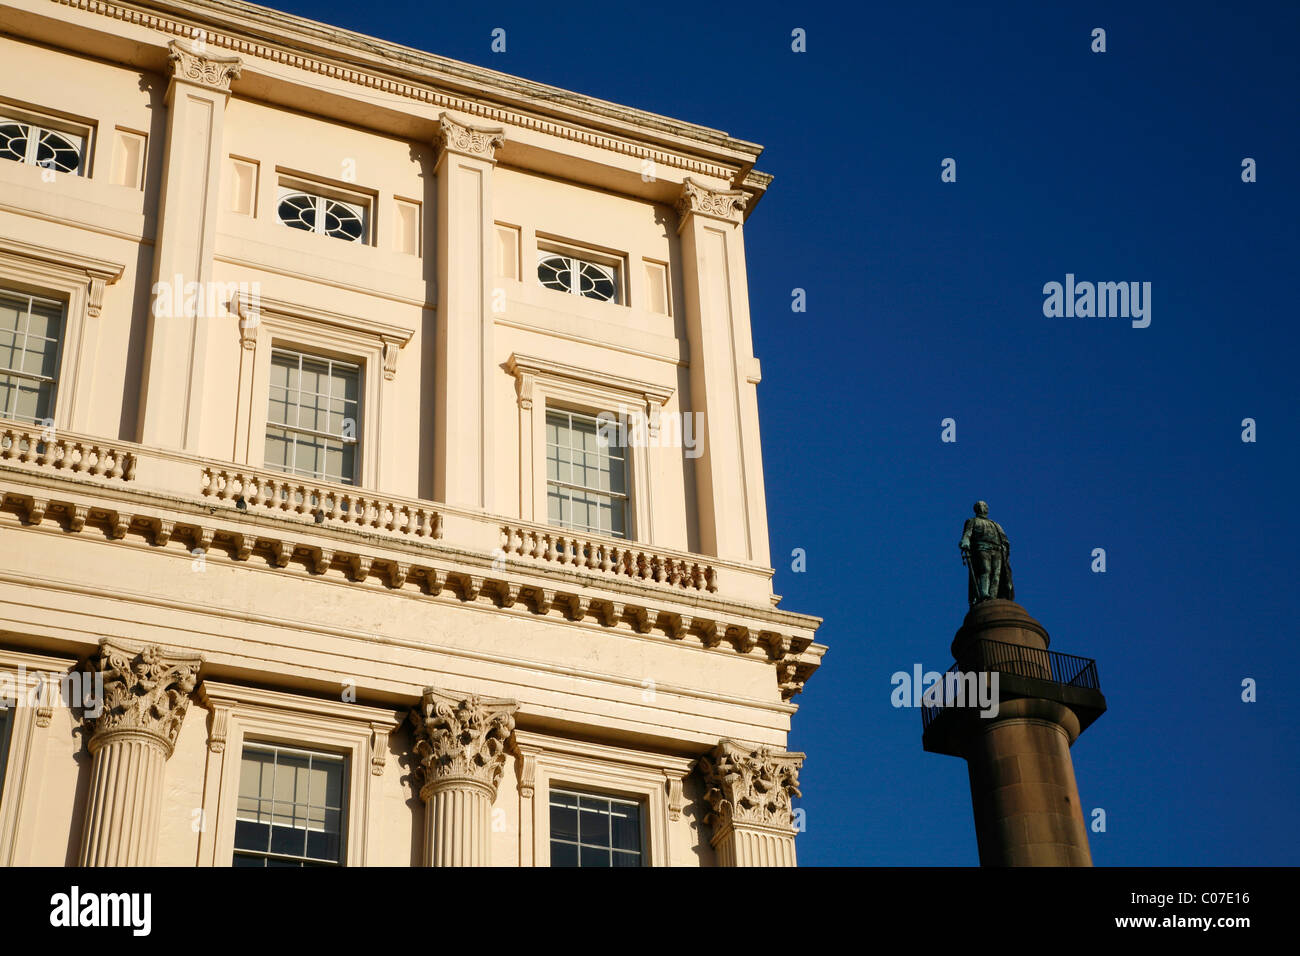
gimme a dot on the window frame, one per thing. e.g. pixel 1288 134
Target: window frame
pixel 79 282
pixel 357 441
pixel 625 496
pixel 541 384
pixel 545 246
pixel 29 733
pixel 344 809
pixel 255 716
pixel 48 122
pixel 656 781
pixel 59 342
pixel 363 203
pixel 267 324
pixel 555 788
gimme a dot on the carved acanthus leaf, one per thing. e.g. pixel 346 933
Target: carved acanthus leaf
pixel 477 141
pixel 747 784
pixel 203 68
pixel 146 690
pixel 726 204
pixel 462 738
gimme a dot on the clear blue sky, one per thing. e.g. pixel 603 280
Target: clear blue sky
pixel 925 302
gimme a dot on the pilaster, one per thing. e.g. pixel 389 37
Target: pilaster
pixel 176 349
pixel 463 471
pixel 723 373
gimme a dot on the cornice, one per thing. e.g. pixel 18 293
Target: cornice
pixel 247 307
pixel 251 31
pixel 210 692
pixel 448 575
pixel 89 266
pixel 523 365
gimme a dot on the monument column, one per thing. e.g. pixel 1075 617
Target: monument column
pixel 463 426
pixel 461 745
pixel 749 790
pixel 723 374
pixel 145 695
pixel 1016 741
pixel 176 344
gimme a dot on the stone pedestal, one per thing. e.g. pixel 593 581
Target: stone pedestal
pixel 461 743
pixel 146 695
pixel 749 791
pixel 1023 790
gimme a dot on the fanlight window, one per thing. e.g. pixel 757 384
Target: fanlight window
pixel 323 216
pixel 25 142
pixel 578 276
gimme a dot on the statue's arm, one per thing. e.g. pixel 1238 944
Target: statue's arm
pixel 965 536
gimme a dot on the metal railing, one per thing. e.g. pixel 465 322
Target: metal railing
pixel 1020 661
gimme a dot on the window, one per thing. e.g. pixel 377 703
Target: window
pixel 589 830
pixel 30 330
pixel 312 416
pixel 565 273
pixel 27 142
pixel 323 215
pixel 6 725
pixel 290 810
pixel 586 476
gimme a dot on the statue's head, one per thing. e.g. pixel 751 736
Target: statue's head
pixel 982 509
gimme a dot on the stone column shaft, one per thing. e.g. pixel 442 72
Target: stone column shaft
pixel 125 807
pixel 458 826
pixel 1023 789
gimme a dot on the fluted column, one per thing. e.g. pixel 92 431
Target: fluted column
pixel 145 697
pixel 461 744
pixel 749 790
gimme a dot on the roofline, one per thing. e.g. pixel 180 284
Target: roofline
pixel 489 86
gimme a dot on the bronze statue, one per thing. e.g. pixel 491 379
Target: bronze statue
pixel 986 551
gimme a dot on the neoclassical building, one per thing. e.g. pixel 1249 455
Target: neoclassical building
pixel 379 461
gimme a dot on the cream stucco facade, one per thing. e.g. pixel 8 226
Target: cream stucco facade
pixel 421 627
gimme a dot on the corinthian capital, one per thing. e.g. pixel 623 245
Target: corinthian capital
pixel 145 691
pixel 725 204
pixel 477 141
pixel 202 67
pixel 746 784
pixel 462 739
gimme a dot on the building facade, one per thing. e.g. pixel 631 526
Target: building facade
pixel 380 461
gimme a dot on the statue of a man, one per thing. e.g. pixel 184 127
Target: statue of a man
pixel 987 552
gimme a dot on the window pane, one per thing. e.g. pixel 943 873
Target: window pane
pixel 593 830
pixel 290 808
